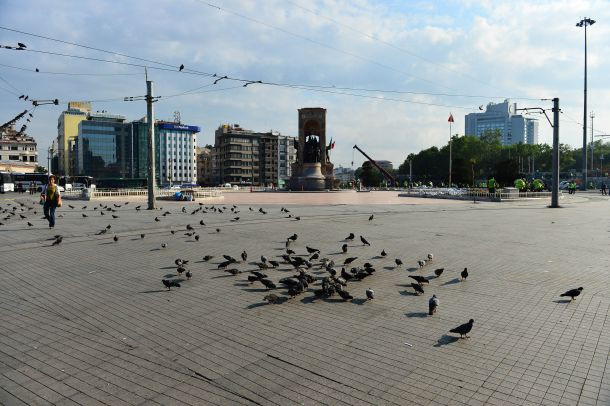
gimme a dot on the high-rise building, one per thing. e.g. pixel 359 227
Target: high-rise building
pixel 104 146
pixel 246 157
pixel 514 128
pixel 17 151
pixel 176 148
pixel 67 131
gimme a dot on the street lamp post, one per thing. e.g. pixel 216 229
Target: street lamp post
pixel 584 23
pixel 592 163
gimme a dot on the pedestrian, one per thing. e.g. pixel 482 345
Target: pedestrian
pixel 32 188
pixel 604 188
pixel 51 199
pixel 491 185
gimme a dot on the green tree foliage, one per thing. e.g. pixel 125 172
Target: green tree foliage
pixel 477 158
pixel 40 169
pixel 369 175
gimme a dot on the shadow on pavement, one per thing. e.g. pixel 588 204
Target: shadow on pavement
pixel 446 340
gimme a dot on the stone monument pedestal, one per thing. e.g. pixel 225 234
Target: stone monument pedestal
pixel 310 178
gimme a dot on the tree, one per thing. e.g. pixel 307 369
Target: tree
pixel 40 169
pixel 369 175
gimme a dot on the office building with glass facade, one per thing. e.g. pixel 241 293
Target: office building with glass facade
pixel 104 146
pixel 514 128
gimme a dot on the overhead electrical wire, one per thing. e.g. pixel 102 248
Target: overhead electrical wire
pixel 71 73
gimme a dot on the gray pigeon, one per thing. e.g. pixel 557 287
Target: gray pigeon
pixel 432 305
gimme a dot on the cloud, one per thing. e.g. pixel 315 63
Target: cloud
pixel 516 49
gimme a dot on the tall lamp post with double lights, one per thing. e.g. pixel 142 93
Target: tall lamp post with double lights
pixel 584 23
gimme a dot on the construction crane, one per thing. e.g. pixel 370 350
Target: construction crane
pixel 385 173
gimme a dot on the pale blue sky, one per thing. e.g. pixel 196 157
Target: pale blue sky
pixel 518 49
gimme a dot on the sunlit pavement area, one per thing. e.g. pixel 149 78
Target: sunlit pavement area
pixel 89 321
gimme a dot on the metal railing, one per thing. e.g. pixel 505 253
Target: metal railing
pixel 100 192
pixel 476 193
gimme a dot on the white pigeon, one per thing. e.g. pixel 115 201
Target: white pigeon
pixel 370 293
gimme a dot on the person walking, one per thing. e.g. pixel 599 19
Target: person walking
pixel 604 189
pixel 51 199
pixel 491 185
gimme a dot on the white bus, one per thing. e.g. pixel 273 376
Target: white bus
pixel 6 182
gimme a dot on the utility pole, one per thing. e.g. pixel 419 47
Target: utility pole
pixel 410 172
pixel 151 145
pixel 584 23
pixel 555 177
pixel 592 117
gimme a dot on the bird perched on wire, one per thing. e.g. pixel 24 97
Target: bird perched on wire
pixel 432 305
pixel 364 241
pixel 464 274
pixel 463 329
pixel 572 293
pixel 181 67
pixel 370 294
pixel 438 272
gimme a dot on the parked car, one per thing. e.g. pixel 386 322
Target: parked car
pixel 563 185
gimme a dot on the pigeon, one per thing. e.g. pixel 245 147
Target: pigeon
pixel 142 236
pixel 58 240
pixel 115 216
pixel 572 293
pixel 370 294
pixel 157 219
pixel 350 237
pixel 293 237
pixel 108 227
pixel 138 208
pixel 349 260
pixel 275 264
pixel 430 257
pixel 383 253
pixel 189 274
pixel 263 258
pixel 180 269
pixel 229 258
pixel 258 274
pixel 196 237
pixel 115 238
pixel 70 206
pixel 311 250
pixel 421 263
pixel 218 230
pixel 398 261
pixel 180 261
pixel 371 218
pixel 181 67
pixel 314 256
pixel 364 241
pixel 464 329
pixel 418 288
pixel 464 274
pixel 419 279
pixel 84 215
pixel 189 227
pixel 432 305
pixel 172 231
pixel 207 258
pixel 169 284
pixel 290 252
pixel 244 256
pixel 268 284
pixel 344 248
pixel 233 271
pixel 201 223
pixel 438 272
pixel 21 45
pixel 30 224
pixel 345 295
pixel 164 245
pixel 272 298
pixel 235 219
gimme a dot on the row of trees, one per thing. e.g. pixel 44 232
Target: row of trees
pixel 477 158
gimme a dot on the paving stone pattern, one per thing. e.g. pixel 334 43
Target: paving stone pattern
pixel 89 322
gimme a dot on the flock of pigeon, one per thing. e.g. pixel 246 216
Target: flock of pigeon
pixel 312 271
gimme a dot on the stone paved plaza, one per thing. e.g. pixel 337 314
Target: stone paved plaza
pixel 89 322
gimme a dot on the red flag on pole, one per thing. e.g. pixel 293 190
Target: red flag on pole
pixel 450 118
